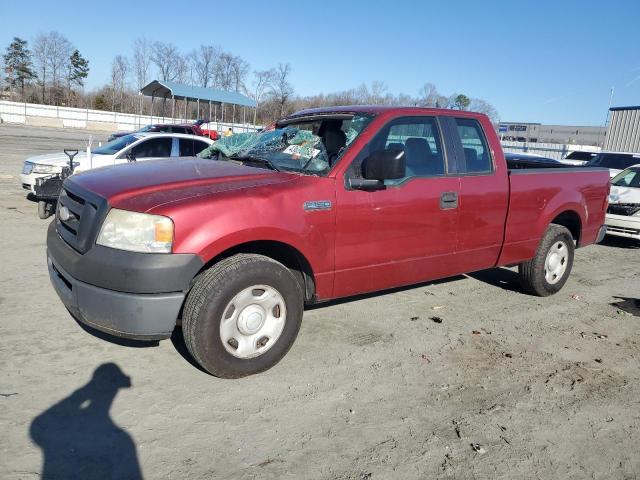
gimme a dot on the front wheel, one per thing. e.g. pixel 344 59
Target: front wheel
pixel 45 209
pixel 242 315
pixel 547 272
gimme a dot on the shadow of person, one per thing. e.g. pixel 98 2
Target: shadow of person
pixel 78 438
pixel 629 305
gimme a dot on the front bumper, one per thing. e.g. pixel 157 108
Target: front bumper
pixel 623 226
pixel 127 294
pixel 127 315
pixel 29 181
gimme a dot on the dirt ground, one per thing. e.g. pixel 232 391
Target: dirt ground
pixel 463 378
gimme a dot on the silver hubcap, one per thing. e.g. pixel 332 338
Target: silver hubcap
pixel 556 263
pixel 253 321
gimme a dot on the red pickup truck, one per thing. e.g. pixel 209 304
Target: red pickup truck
pixel 326 203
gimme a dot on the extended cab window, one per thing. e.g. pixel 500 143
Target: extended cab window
pixel 154 147
pixel 420 140
pixel 477 157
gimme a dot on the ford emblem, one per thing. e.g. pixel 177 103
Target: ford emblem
pixel 64 214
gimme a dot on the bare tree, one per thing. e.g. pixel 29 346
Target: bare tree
pixel 239 71
pixel 428 95
pixel 60 50
pixel 204 60
pixel 141 61
pixel 41 48
pixel 481 106
pixel 165 57
pixel 281 88
pixel 119 72
pixel 262 80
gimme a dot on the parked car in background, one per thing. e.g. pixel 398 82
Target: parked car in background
pixel 129 148
pixel 332 202
pixel 210 132
pixel 185 128
pixel 578 157
pixel 623 214
pixel 614 161
pixel 516 161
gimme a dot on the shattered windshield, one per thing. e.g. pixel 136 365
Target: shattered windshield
pixel 310 146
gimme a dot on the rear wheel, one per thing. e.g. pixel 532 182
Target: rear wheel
pixel 242 315
pixel 549 270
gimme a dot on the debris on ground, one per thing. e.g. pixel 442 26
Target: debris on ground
pixel 437 307
pixel 598 360
pixel 575 296
pixel 456 428
pixel 436 319
pixel 596 335
pixel 508 355
pixel 478 448
pixel 413 319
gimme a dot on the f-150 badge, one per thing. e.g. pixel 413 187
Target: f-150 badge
pixel 317 205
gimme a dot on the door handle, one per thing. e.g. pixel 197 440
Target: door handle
pixel 448 200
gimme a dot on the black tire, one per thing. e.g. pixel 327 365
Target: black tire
pixel 45 209
pixel 532 273
pixel 206 303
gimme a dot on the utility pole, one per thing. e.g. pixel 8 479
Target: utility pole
pixel 606 122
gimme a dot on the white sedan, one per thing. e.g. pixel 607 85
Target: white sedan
pixel 623 214
pixel 134 147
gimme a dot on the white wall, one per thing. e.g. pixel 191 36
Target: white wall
pixel 550 150
pixel 66 117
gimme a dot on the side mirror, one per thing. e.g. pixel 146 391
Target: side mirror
pixel 130 156
pixel 380 166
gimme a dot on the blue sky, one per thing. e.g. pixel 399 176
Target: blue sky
pixel 550 61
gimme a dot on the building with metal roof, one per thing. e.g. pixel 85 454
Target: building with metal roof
pixel 624 130
pixel 214 98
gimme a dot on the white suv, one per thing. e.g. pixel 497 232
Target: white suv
pixel 136 146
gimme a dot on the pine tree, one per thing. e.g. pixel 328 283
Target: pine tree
pixel 78 69
pixel 19 64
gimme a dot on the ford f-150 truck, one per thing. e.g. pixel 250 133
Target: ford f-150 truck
pixel 325 203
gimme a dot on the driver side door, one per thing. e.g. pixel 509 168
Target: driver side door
pixel 407 232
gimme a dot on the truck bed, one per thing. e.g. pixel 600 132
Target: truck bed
pixel 538 195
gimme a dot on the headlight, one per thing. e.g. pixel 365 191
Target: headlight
pixel 37 168
pixel 136 232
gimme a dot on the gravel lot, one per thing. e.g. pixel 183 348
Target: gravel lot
pixel 397 385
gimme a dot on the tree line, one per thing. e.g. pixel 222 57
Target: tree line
pixel 54 72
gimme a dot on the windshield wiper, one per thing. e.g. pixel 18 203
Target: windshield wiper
pixel 261 160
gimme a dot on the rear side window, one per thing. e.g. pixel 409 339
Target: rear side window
pixel 154 147
pixel 477 157
pixel 420 140
pixel 190 148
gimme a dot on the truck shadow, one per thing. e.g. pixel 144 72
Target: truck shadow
pixel 620 242
pixel 362 296
pixel 499 277
pixel 77 436
pixel 123 342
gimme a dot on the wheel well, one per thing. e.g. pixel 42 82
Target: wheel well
pixel 284 253
pixel 571 221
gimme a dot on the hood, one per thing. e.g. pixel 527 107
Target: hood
pixel 624 195
pixel 58 159
pixel 141 186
